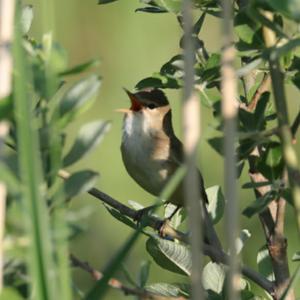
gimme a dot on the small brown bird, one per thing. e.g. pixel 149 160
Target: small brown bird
pixel 151 151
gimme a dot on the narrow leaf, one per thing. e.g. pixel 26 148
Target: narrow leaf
pixel 88 138
pixel 259 204
pixel 80 68
pixel 79 183
pixel 243 237
pixel 77 98
pixel 105 1
pixel 144 273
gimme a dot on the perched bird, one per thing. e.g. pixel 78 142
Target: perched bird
pixel 151 151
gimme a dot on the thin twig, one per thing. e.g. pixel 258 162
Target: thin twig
pixel 277 244
pixel 117 284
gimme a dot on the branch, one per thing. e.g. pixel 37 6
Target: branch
pixel 214 253
pixel 116 284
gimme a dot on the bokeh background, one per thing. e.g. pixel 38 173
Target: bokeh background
pixel 131 46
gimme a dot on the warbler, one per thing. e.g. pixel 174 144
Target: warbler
pixel 151 152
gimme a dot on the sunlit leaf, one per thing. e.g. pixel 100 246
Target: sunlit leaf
pixel 26 18
pixel 243 237
pixel 213 277
pixel 168 290
pixel 170 255
pixel 216 203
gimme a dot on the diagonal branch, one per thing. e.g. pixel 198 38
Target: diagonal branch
pixel 214 253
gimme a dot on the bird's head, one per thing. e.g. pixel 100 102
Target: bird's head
pixel 151 103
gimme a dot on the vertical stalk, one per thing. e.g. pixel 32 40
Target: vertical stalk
pixel 58 219
pixel 191 130
pixel 229 109
pixel 36 218
pixel 281 270
pixel 7 13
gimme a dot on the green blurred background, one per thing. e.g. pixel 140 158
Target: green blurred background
pixel 131 46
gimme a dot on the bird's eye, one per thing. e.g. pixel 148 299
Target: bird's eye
pixel 151 105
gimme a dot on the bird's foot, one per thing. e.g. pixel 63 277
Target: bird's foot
pixel 163 226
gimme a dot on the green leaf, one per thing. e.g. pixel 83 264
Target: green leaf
pixel 26 18
pixel 120 217
pixel 198 25
pixel 274 155
pixel 88 138
pixel 243 237
pixel 213 277
pixel 149 82
pixel 170 255
pixel 255 185
pixel 79 183
pixel 289 8
pixel 144 273
pixel 216 203
pixel 259 204
pixel 264 263
pixel 40 262
pixel 217 144
pixel 168 290
pixel 76 99
pixel 105 1
pixel 80 68
pixel 151 9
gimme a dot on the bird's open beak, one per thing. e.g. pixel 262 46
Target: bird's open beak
pixel 135 102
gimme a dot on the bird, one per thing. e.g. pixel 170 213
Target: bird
pixel 150 150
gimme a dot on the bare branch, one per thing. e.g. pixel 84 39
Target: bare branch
pixel 117 284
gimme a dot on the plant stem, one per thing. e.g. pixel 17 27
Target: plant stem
pixel 277 241
pixel 191 132
pixel 229 108
pixel 40 261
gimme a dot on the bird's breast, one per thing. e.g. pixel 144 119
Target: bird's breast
pixel 145 160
